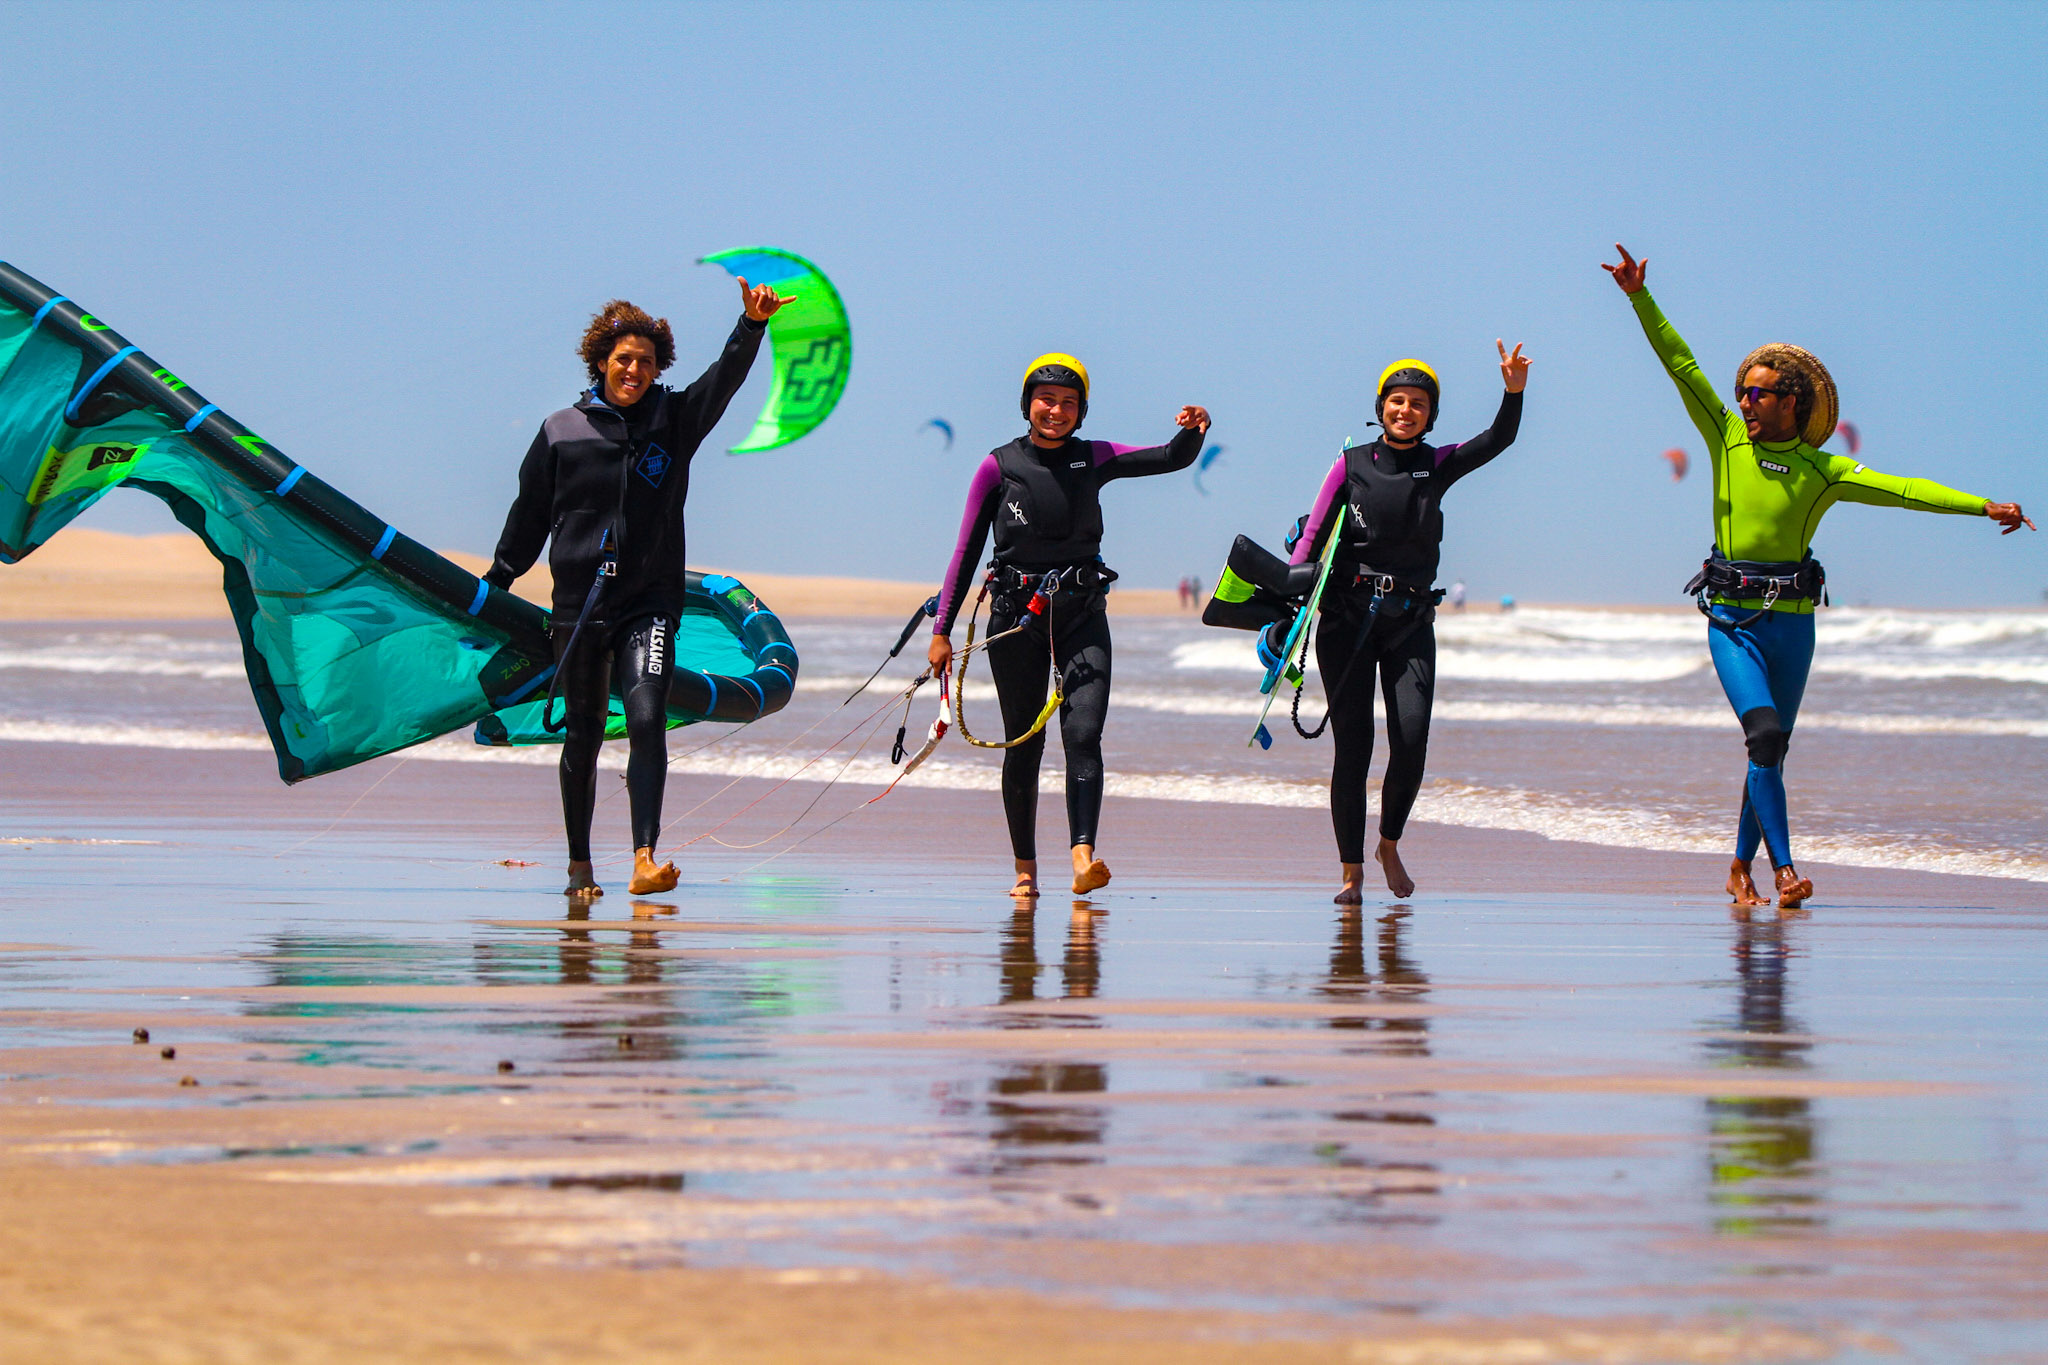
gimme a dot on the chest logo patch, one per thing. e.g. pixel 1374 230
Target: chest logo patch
pixel 1774 468
pixel 653 466
pixel 1018 513
pixel 1419 474
pixel 1078 464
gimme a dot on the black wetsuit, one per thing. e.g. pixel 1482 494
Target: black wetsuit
pixel 1386 504
pixel 1045 509
pixel 599 481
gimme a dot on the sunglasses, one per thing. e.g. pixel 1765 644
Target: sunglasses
pixel 1756 392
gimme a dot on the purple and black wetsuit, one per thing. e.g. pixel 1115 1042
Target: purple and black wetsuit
pixel 1045 509
pixel 1386 504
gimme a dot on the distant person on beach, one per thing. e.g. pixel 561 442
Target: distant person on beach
pixel 1041 495
pixel 1772 483
pixel 1379 610
pixel 604 485
pixel 1457 597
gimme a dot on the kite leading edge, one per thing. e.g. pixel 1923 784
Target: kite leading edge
pixel 358 640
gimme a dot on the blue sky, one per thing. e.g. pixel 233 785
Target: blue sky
pixel 373 233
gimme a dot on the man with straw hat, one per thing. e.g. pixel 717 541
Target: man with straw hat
pixel 1772 483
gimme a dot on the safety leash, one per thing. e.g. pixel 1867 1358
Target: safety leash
pixel 1380 584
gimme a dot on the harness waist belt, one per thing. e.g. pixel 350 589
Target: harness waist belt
pixel 1386 585
pixel 1087 576
pixel 1770 580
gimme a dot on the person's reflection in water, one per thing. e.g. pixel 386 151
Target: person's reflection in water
pixel 1031 1133
pixel 1400 981
pixel 1764 1177
pixel 650 1027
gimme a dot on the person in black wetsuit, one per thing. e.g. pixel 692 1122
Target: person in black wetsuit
pixel 1379 611
pixel 604 485
pixel 1041 494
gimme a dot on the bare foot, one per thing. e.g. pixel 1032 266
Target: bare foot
pixel 1090 872
pixel 1742 887
pixel 649 880
pixel 1026 888
pixel 1388 855
pixel 583 882
pixel 1352 892
pixel 1793 889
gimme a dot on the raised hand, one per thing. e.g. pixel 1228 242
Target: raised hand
pixel 1629 274
pixel 1514 369
pixel 761 301
pixel 1192 416
pixel 2009 516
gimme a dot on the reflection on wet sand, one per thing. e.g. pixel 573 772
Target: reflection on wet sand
pixel 1400 979
pixel 652 1031
pixel 1031 1134
pixel 1763 1175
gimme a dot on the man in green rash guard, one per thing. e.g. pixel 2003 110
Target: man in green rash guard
pixel 1772 483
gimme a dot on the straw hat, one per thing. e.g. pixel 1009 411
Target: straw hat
pixel 1827 407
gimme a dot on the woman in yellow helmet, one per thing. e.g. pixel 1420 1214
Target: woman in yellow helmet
pixel 1384 501
pixel 1041 496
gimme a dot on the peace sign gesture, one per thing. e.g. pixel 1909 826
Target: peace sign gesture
pixel 1629 274
pixel 1514 369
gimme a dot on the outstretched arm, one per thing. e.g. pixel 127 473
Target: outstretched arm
pixel 1702 403
pixel 1128 462
pixel 526 525
pixel 704 402
pixel 1860 483
pixel 701 405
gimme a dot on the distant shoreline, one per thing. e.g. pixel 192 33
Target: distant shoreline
pixel 92 575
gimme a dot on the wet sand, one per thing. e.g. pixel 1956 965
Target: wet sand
pixel 849 1106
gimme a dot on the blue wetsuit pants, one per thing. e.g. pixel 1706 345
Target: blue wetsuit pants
pixel 1763 668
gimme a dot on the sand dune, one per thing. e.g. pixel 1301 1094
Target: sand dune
pixel 89 575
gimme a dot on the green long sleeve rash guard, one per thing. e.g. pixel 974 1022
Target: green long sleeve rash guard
pixel 1769 496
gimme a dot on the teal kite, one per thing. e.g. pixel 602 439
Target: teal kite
pixel 809 340
pixel 358 640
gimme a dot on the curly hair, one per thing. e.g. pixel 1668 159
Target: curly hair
pixel 1791 375
pixel 619 319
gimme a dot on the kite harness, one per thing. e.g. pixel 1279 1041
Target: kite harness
pixel 1773 581
pixel 1007 582
pixel 1387 592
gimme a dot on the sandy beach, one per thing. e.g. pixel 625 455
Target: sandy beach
pixel 838 1099
pixel 850 1106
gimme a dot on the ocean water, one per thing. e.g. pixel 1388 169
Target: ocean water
pixel 1923 742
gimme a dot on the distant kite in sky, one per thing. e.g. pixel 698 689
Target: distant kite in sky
pixel 1679 463
pixel 1850 437
pixel 943 425
pixel 1208 457
pixel 808 340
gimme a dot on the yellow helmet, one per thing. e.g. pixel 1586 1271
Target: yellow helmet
pixel 1408 374
pixel 1055 367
